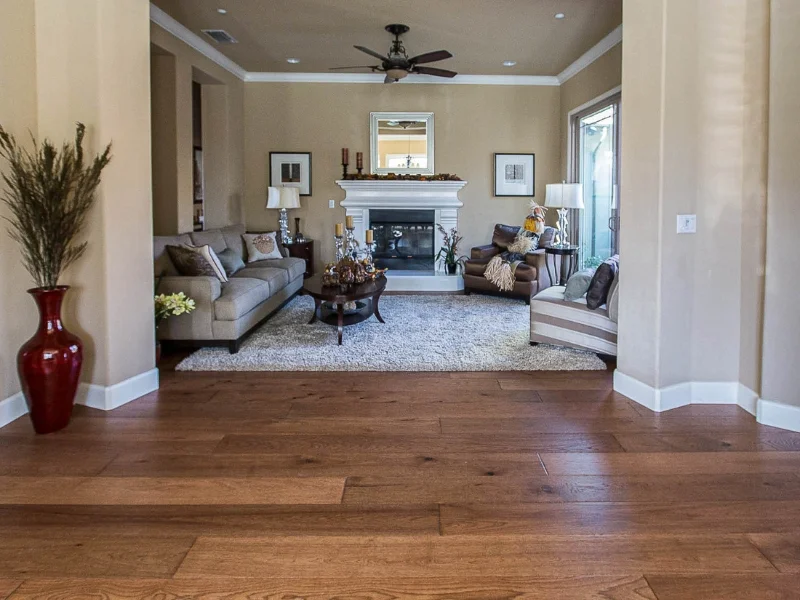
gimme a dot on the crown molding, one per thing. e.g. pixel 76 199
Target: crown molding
pixel 417 79
pixel 163 20
pixel 595 52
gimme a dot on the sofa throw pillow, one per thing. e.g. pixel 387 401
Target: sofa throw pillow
pixel 262 246
pixel 196 261
pixel 231 261
pixel 613 300
pixel 578 285
pixel 597 295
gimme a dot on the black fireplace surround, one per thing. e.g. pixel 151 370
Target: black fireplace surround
pixel 404 239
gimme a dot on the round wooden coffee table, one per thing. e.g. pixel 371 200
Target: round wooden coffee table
pixel 369 292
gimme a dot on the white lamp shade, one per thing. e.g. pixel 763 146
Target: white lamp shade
pixel 283 197
pixel 564 195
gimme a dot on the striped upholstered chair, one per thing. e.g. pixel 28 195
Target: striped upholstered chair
pixel 573 324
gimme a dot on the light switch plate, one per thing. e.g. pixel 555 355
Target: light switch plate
pixel 331 203
pixel 687 223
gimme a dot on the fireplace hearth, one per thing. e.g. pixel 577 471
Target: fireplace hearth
pixel 404 239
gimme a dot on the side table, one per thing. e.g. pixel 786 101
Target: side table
pixel 569 256
pixel 304 250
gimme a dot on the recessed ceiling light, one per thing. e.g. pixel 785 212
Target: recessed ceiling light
pixel 509 63
pixel 222 11
pixel 292 61
pixel 560 15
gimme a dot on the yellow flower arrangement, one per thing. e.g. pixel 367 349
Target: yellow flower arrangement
pixel 168 305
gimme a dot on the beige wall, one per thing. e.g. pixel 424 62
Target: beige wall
pixel 692 143
pixel 602 75
pixel 781 377
pixel 472 122
pixel 87 61
pixel 18 116
pixel 222 106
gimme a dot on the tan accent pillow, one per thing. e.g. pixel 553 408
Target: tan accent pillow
pixel 262 246
pixel 613 301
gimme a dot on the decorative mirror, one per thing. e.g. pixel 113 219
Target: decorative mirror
pixel 401 143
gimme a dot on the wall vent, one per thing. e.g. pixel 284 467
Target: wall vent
pixel 220 36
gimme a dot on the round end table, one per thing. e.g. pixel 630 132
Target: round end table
pixel 569 262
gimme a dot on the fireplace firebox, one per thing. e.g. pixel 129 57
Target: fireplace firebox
pixel 404 239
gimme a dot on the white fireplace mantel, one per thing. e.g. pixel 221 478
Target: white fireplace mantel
pixel 439 196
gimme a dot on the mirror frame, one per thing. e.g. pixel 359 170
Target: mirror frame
pixel 374 117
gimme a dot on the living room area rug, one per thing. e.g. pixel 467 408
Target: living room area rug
pixel 421 333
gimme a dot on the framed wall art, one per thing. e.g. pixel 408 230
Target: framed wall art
pixel 514 174
pixel 291 169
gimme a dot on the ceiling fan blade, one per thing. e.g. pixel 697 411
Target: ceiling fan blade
pixel 430 57
pixel 371 53
pixel 373 67
pixel 389 79
pixel 434 71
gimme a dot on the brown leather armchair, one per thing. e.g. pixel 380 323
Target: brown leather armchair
pixel 531 276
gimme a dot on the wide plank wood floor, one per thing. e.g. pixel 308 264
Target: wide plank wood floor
pixel 399 485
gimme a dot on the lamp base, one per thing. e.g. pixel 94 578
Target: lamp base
pixel 563 225
pixel 283 222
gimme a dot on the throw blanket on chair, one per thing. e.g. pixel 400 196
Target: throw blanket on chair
pixel 501 269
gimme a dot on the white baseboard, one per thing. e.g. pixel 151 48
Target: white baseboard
pixel 114 396
pixel 12 408
pixel 89 394
pixel 784 416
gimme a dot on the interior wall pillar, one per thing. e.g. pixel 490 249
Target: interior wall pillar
pixel 93 66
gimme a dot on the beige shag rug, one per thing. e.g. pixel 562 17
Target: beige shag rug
pixel 422 333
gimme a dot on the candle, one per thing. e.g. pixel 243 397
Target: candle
pixel 359 160
pixel 349 220
pixel 339 230
pixel 369 236
pixel 345 156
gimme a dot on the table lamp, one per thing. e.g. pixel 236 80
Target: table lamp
pixel 564 196
pixel 283 198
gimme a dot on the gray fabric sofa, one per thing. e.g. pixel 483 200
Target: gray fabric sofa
pixel 225 312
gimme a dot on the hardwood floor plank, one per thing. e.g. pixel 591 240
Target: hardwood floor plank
pixel 782 550
pixel 323 464
pixel 222 520
pixel 513 488
pixel 693 442
pixel 7 586
pixel 444 588
pixel 602 518
pixel 39 461
pixel 91 556
pixel 661 463
pixel 468 556
pixel 727 587
pixel 424 445
pixel 526 425
pixel 62 444
pixel 184 491
pixel 601 382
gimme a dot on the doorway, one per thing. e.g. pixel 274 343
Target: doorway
pixel 595 162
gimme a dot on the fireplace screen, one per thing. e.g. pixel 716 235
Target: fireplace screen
pixel 404 239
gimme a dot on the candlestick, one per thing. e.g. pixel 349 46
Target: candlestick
pixel 368 236
pixel 345 156
pixel 339 230
pixel 359 160
pixel 338 240
pixel 349 221
pixel 350 243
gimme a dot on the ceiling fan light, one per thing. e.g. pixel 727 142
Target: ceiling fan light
pixel 397 73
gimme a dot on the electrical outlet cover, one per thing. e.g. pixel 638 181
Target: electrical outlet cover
pixel 687 223
pixel 331 203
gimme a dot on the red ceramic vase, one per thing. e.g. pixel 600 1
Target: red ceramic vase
pixel 49 364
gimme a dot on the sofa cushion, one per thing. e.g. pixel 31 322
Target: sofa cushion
pixel 162 263
pixel 547 237
pixel 277 279
pixel 597 295
pixel 239 296
pixel 295 266
pixel 504 235
pixel 212 237
pixel 613 300
pixel 523 272
pixel 578 284
pixel 233 238
pixel 191 262
pixel 231 262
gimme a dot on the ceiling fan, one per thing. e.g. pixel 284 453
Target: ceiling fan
pixel 397 65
